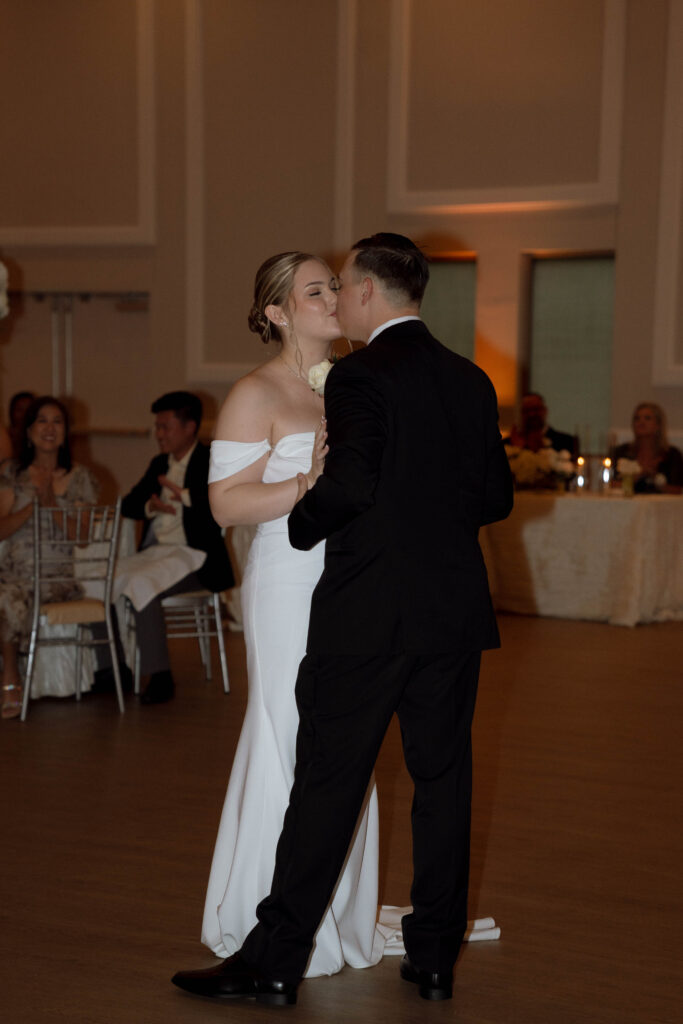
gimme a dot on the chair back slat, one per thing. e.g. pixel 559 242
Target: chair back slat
pixel 76 543
pixel 73 544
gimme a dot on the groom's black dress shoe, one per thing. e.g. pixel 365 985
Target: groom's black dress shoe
pixel 275 993
pixel 432 984
pixel 234 979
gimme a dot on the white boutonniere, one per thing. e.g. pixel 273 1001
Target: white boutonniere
pixel 317 375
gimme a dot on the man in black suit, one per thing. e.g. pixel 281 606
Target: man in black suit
pixel 172 499
pixel 398 622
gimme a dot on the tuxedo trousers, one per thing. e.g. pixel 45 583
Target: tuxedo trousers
pixel 345 705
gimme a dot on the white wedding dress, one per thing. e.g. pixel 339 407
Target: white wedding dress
pixel 276 597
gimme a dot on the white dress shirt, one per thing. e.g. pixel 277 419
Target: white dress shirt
pixel 391 323
pixel 168 528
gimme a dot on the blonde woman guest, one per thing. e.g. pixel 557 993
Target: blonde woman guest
pixel 661 463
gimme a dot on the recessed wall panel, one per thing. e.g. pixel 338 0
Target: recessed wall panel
pixel 68 76
pixel 503 95
pixel 268 80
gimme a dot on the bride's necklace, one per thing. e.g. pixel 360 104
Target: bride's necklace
pixel 299 376
pixel 295 373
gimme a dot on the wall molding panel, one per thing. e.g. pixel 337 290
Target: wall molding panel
pixel 667 368
pixel 197 366
pixel 346 95
pixel 143 231
pixel 603 191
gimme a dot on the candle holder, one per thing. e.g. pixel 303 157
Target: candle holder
pixel 607 475
pixel 581 478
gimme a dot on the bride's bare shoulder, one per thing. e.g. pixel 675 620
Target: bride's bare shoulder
pixel 247 410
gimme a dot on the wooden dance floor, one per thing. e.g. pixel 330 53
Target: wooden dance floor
pixel 108 824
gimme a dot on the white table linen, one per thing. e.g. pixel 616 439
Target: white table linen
pixel 604 558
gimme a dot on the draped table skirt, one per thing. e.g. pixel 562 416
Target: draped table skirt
pixel 605 558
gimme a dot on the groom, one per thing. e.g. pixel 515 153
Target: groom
pixel 398 622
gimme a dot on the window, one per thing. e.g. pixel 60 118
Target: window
pixel 448 304
pixel 570 362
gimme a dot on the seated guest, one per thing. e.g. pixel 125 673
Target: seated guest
pixel 172 498
pixel 534 432
pixel 661 464
pixel 44 471
pixel 18 408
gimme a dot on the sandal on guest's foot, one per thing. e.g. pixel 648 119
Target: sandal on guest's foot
pixel 12 694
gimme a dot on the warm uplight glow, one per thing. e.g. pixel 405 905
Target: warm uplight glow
pixel 580 461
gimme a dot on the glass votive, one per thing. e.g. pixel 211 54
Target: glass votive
pixel 607 474
pixel 581 480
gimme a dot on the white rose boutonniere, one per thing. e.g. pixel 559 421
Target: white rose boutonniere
pixel 317 375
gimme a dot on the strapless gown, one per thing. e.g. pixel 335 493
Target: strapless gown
pixel 276 596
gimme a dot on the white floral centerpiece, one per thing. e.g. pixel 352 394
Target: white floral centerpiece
pixel 544 468
pixel 4 281
pixel 628 470
pixel 628 467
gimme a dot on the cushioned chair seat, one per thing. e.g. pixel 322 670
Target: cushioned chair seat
pixel 66 613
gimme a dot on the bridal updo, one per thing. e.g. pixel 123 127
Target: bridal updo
pixel 272 287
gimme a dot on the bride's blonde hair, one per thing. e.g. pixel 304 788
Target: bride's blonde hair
pixel 272 287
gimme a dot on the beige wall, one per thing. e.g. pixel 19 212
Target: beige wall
pixel 168 146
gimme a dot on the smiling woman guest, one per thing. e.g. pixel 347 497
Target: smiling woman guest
pixel 661 463
pixel 44 470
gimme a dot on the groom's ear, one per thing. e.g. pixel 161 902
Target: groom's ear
pixel 366 290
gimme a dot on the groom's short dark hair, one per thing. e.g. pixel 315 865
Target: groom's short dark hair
pixel 395 261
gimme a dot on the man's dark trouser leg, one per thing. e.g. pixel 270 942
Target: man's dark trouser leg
pixel 151 631
pixel 436 713
pixel 345 705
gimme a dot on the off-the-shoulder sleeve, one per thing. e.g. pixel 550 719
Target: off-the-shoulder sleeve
pixel 229 457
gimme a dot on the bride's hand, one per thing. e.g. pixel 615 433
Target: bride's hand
pixel 320 450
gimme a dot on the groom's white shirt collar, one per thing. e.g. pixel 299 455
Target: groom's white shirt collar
pixel 390 323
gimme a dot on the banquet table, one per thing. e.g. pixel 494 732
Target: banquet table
pixel 607 558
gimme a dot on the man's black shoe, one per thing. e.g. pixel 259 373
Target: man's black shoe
pixel 228 980
pixel 432 984
pixel 275 993
pixel 159 689
pixel 103 680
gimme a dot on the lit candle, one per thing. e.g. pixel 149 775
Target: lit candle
pixel 580 477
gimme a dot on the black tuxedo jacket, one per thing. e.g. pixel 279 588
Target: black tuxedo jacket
pixel 416 465
pixel 201 529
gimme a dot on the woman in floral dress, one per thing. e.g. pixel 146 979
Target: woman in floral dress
pixel 44 471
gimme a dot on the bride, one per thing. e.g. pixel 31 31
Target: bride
pixel 269 430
